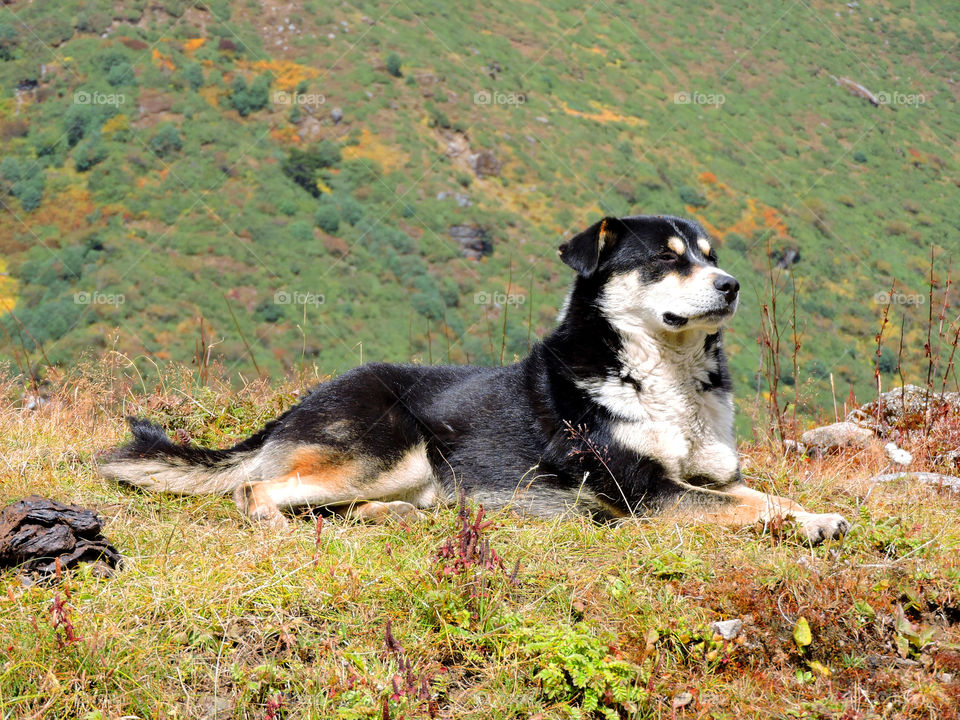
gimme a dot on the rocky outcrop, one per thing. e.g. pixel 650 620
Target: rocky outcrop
pixel 473 241
pixel 909 408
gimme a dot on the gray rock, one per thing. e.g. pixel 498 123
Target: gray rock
pixel 837 435
pixel 336 115
pixel 727 629
pixel 905 408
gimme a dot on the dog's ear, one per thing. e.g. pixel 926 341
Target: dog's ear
pixel 583 251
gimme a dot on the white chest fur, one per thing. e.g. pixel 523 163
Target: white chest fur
pixel 670 418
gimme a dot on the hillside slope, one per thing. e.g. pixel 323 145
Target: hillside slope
pixel 305 177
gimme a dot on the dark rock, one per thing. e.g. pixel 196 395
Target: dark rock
pixel 473 241
pixel 484 163
pixel 785 258
pixel 36 532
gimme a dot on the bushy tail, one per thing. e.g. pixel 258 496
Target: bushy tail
pixel 154 463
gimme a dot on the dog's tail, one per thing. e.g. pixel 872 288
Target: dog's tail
pixel 151 461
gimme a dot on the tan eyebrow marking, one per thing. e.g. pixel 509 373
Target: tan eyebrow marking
pixel 604 233
pixel 677 245
pixel 704 245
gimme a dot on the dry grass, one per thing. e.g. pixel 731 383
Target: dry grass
pixel 211 612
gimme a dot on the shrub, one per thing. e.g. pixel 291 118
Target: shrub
pixel 303 166
pixel 691 197
pixel 121 74
pixel 327 217
pixel 393 65
pixel 166 140
pixel 8 41
pixel 193 74
pixel 246 99
pixel 350 210
pixel 30 192
pixel 89 153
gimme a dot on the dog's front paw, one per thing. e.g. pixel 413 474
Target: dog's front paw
pixel 829 526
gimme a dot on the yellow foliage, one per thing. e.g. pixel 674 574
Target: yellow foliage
pixel 8 288
pixel 117 123
pixel 603 114
pixel 210 93
pixel 373 148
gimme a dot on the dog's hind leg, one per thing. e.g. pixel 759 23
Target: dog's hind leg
pixel 320 477
pixel 742 506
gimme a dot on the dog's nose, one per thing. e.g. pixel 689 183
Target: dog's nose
pixel 728 285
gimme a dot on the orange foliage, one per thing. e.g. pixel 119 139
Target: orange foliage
pixel 193 44
pixel 772 219
pixel 708 178
pixel 286 75
pixel 162 61
pixel 286 134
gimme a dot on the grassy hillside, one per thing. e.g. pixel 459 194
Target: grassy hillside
pixel 171 162
pixel 211 616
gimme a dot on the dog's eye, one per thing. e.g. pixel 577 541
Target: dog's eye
pixel 668 256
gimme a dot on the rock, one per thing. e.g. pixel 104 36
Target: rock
pixel 36 532
pixel 484 163
pixel 336 115
pixel 473 241
pixel 792 446
pixel 897 455
pixel 948 482
pixel 215 708
pixel 905 408
pixel 727 629
pixel 836 436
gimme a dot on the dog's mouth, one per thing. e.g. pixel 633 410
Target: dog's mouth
pixel 672 320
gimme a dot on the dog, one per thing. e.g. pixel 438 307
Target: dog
pixel 624 409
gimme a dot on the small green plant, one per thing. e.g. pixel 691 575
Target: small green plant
pixel 580 670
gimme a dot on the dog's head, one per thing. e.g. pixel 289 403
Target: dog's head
pixel 653 273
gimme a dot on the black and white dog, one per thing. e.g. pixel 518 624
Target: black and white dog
pixel 624 409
